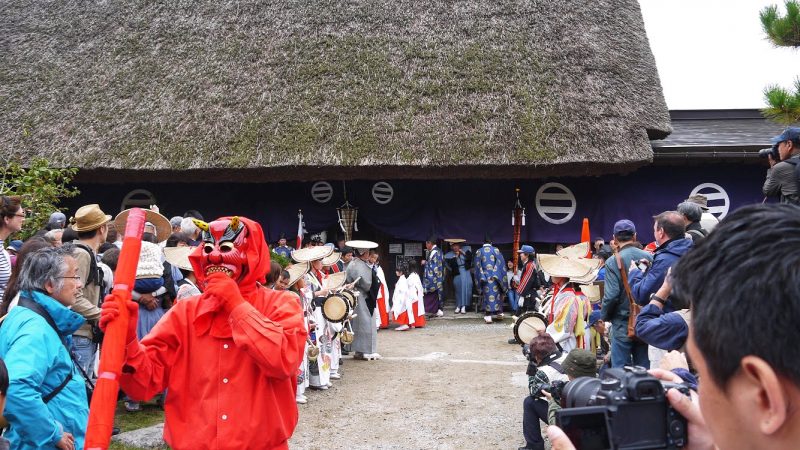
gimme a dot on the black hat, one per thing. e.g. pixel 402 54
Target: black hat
pixel 432 238
pixel 282 235
pixel 487 239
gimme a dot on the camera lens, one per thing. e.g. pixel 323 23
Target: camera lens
pixel 579 392
pixel 764 152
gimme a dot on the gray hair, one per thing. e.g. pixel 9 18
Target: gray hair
pixel 691 211
pixel 50 236
pixel 44 265
pixel 188 227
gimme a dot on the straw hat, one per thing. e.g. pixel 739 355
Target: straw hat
pixel 335 280
pixel 363 245
pixel 296 271
pixel 592 292
pixel 332 259
pixel 179 256
pixel 89 217
pixel 163 227
pixel 312 253
pixel 455 241
pixel 556 266
pixel 574 251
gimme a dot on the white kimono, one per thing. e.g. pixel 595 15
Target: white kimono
pixel 416 292
pixel 403 300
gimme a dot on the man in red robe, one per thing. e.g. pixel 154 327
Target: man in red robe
pixel 228 357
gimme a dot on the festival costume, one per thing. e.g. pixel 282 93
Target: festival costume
pixel 319 370
pixel 382 319
pixel 462 278
pixel 490 270
pixel 408 307
pixel 366 335
pixel 284 251
pixel 433 280
pixel 238 340
pixel 568 322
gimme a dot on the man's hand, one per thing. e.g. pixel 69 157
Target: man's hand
pixel 110 311
pixel 422 263
pixel 771 160
pixel 224 290
pixel 674 360
pixel 698 433
pixel 558 440
pixel 67 442
pixel 148 301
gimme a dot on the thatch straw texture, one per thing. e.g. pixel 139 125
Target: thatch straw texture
pixel 254 84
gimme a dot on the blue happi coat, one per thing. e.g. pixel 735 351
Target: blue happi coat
pixel 433 276
pixel 284 251
pixel 490 269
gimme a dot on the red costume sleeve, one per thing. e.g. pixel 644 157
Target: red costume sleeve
pixel 275 341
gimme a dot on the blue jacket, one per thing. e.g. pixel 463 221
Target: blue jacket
pixel 37 363
pixel 645 283
pixel 664 330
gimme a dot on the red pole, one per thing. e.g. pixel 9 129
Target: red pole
pixel 104 399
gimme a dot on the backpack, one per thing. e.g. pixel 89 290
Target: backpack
pixel 95 276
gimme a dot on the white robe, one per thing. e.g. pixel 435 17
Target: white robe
pixel 383 295
pixel 416 292
pixel 403 300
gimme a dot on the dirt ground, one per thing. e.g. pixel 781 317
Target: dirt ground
pixel 456 384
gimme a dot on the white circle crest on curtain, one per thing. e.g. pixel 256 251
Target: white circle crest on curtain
pixel 382 192
pixel 321 192
pixel 138 198
pixel 555 203
pixel 718 201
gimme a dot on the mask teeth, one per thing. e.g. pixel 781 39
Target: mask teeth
pixel 215 269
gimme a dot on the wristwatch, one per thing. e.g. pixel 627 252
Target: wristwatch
pixel 654 297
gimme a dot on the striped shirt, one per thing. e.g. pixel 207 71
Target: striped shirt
pixel 5 269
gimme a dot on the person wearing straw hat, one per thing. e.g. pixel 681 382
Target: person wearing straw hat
pixel 365 344
pixel 179 257
pixel 569 309
pixel 460 263
pixel 91 224
pixel 292 278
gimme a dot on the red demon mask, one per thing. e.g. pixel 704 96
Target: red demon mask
pixel 234 246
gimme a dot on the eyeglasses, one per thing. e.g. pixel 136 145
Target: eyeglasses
pixel 26 213
pixel 75 278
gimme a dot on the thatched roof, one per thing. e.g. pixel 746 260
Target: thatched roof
pixel 318 84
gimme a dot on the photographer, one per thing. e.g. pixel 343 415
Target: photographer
pixel 546 366
pixel 750 380
pixel 781 175
pixel 578 363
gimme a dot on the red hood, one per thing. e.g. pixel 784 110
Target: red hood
pixel 257 252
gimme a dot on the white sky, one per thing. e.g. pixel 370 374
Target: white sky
pixel 712 54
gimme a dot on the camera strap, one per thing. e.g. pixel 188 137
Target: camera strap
pixel 634 307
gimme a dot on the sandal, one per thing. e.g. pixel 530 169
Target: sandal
pixel 359 356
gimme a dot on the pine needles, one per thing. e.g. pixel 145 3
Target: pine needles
pixel 783 105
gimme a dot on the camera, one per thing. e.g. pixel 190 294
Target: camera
pixel 765 152
pixel 555 388
pixel 627 409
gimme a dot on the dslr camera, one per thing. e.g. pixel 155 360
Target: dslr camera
pixel 765 152
pixel 627 409
pixel 555 388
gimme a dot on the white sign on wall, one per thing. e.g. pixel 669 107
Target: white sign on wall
pixel 555 203
pixel 382 192
pixel 718 201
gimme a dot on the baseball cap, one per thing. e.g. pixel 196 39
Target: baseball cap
pixel 580 363
pixel 789 134
pixel 15 245
pixel 624 225
pixel 57 218
pixel 526 249
pixel 594 317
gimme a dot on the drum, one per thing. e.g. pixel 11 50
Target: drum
pixel 528 326
pixel 347 336
pixel 313 351
pixel 335 308
pixel 351 298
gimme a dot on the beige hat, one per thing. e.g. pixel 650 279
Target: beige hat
pixel 557 266
pixel 332 259
pixel 88 218
pixel 179 256
pixel 455 240
pixel 362 245
pixel 312 253
pixel 163 227
pixel 335 280
pixel 592 292
pixel 296 271
pixel 574 251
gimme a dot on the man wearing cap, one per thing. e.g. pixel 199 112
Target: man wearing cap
pixel 692 213
pixel 578 363
pixel 616 307
pixel 283 249
pixel 707 220
pixel 782 175
pixel 433 278
pixel 529 285
pixel 91 224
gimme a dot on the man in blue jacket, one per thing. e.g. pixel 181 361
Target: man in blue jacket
pixel 46 402
pixel 670 234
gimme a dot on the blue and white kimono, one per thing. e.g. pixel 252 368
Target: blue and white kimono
pixel 490 269
pixel 462 278
pixel 284 251
pixel 433 279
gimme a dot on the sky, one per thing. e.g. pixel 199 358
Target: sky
pixel 712 54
